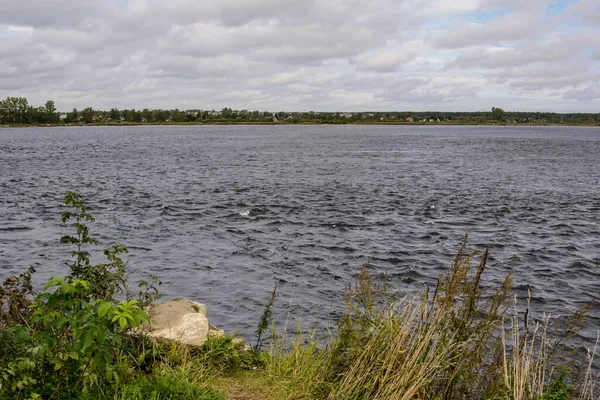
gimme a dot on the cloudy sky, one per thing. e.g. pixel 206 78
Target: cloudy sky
pixel 322 55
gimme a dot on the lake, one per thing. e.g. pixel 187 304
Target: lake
pixel 223 214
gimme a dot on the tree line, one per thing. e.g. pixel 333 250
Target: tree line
pixel 18 111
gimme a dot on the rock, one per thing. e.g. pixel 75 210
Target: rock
pixel 183 321
pixel 213 331
pixel 179 320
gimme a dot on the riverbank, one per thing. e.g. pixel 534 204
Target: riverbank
pixel 271 123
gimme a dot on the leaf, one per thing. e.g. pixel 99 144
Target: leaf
pixel 52 282
pixel 104 308
pixel 57 366
pixel 68 240
pixel 88 341
pixel 140 317
pixel 100 334
pixel 52 301
pixel 123 322
pixel 25 364
pixel 127 315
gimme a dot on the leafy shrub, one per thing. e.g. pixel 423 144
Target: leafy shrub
pixel 69 337
pixel 167 388
pixel 68 344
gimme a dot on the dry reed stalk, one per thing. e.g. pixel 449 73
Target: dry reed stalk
pixel 590 382
pixel 399 360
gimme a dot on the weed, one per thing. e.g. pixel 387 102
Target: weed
pixel 263 324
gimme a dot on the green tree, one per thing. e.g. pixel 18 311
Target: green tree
pixel 497 114
pixel 114 114
pixel 14 110
pixel 226 112
pixel 50 107
pixel 87 114
pixel 159 115
pixel 50 112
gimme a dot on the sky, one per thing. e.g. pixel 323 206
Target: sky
pixel 303 55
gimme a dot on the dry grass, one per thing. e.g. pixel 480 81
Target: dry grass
pixel 449 344
pixel 457 340
pixel 401 356
pixel 526 373
pixel 296 365
pixel 252 385
pixel 589 388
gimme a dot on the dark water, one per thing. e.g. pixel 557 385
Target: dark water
pixel 223 214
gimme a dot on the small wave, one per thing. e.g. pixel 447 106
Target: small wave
pixel 345 249
pixel 275 223
pixel 244 213
pixel 15 228
pixel 391 260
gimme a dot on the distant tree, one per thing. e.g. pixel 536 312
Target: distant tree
pixel 50 107
pixel 146 113
pixel 114 114
pixel 38 115
pixel 226 112
pixel 14 110
pixel 497 114
pixel 50 112
pixel 159 115
pixel 87 114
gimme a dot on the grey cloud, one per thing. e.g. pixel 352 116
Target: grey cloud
pixel 44 13
pixel 515 4
pixel 589 92
pixel 585 10
pixel 511 27
pixel 419 90
pixel 529 52
pixel 230 13
pixel 384 60
pixel 295 44
pixel 278 54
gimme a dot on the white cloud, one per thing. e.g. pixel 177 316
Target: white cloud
pixel 277 54
pixel 586 10
pixel 585 93
pixel 389 59
pixel 512 27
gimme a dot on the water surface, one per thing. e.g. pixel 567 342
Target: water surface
pixel 224 214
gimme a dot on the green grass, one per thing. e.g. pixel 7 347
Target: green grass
pixel 167 388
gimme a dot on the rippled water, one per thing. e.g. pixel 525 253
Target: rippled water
pixel 224 214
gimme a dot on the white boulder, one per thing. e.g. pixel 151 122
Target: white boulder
pixel 178 320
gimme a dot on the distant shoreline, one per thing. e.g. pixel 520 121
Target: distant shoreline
pixel 266 123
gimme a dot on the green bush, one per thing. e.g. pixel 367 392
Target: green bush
pixel 69 338
pixel 167 388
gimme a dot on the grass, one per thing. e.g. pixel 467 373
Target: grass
pixel 457 340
